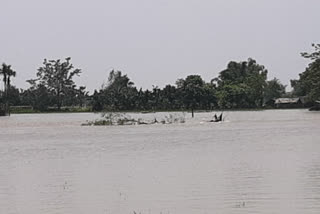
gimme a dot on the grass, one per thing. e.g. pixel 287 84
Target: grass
pixel 29 110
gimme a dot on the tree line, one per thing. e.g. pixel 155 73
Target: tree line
pixel 241 84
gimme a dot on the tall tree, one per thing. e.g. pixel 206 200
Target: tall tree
pixel 192 91
pixel 119 92
pixel 57 77
pixel 308 83
pixel 7 73
pixel 247 78
pixel 3 72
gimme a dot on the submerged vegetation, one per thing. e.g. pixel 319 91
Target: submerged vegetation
pixel 122 119
pixel 242 85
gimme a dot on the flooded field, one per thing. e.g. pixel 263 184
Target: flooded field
pixel 254 162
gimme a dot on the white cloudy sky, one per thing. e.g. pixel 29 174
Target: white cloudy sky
pixel 156 42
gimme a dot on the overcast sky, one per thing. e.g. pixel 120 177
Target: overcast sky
pixel 156 42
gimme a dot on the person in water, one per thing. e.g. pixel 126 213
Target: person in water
pixel 216 118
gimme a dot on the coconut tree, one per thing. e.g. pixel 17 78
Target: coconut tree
pixel 10 73
pixel 7 72
pixel 3 72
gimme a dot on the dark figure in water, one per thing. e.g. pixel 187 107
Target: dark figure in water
pixel 216 118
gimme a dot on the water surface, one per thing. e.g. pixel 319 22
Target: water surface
pixel 254 162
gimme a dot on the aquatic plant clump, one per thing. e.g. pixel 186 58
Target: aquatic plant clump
pixel 121 119
pixel 175 119
pixel 109 119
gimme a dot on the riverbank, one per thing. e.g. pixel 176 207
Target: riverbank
pixel 29 110
pixel 18 110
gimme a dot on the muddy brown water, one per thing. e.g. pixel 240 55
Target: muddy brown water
pixel 254 162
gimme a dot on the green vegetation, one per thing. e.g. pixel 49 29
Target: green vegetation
pixel 7 73
pixel 30 110
pixel 242 85
pixel 273 89
pixel 308 84
pixel 54 86
pixel 121 119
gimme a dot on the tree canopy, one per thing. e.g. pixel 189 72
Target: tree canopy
pixel 55 83
pixel 241 85
pixel 273 90
pixel 308 84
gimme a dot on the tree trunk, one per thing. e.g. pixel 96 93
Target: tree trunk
pixel 8 94
pixel 6 108
pixel 59 100
pixel 192 113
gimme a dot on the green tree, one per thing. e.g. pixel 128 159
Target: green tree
pixel 97 102
pixel 247 78
pixel 192 89
pixel 234 96
pixel 7 73
pixel 4 72
pixel 273 90
pixel 38 97
pixel 57 77
pixel 169 99
pixel 13 96
pixel 119 92
pixel 308 83
pixel 81 95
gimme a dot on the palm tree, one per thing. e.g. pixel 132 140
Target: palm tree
pixel 3 72
pixel 10 73
pixel 7 73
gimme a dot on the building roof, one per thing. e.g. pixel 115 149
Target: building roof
pixel 287 100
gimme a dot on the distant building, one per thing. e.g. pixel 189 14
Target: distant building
pixel 289 103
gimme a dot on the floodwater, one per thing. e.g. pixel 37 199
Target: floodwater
pixel 254 162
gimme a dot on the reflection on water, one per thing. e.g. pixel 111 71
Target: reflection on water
pixel 255 162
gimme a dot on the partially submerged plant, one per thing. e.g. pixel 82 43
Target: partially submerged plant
pixel 111 118
pixel 121 119
pixel 174 119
